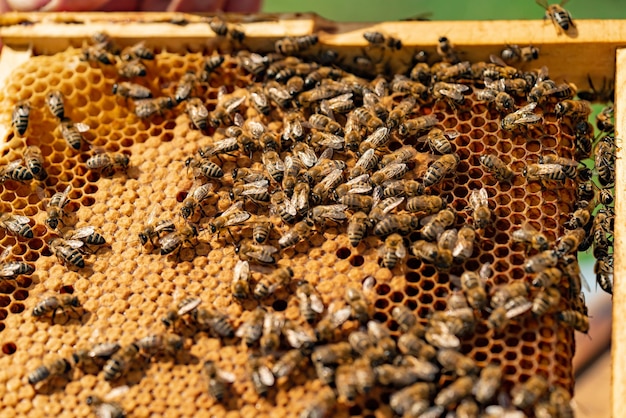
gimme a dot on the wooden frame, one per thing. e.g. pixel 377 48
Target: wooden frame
pixel 594 51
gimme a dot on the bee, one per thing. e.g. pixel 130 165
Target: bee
pixel 223 146
pixel 546 300
pixel 541 261
pixel 300 198
pixel 389 172
pixel 569 242
pixel 174 241
pixel 132 68
pixel 260 375
pixel 406 372
pixel 419 124
pixel 309 300
pixel 515 53
pixel 108 163
pixel 131 90
pixel 357 228
pixel 603 268
pixel 138 51
pixel 324 213
pixel 16 225
pixel 324 123
pixel 412 400
pixel 404 317
pixel 528 393
pixel 261 231
pixel 12 269
pixel 355 378
pixel 364 116
pixel 184 307
pixel 15 171
pixel 294 45
pixel 400 112
pixel 160 343
pixel 54 101
pixel 542 172
pixel 440 169
pixel 218 26
pixel 204 168
pixel 256 252
pixel 531 237
pixel 198 113
pixel 575 319
pixel 521 118
pixel 55 304
pixel 120 362
pixel 97 54
pixel 154 228
pixel 551 276
pixel 437 223
pixel 268 284
pixel 604 158
pixel 453 360
pixel 210 319
pixel 217 380
pixel 431 253
pixel 452 72
pixel 426 204
pixel 464 246
pixel 34 162
pixel 185 88
pixel 326 186
pixel 561 401
pixel 88 236
pixel 210 65
pixel 479 203
pixel 334 318
pixel 508 292
pixel 146 108
pixel 68 251
pixel 583 139
pixel 274 165
pixel 377 38
pixel 20 116
pixel 392 251
pixel 253 63
pixel 58 367
pixel 300 231
pixel 293 129
pixel 576 109
pixel 55 207
pixel 446 51
pixel 288 362
pixel 473 286
pixel 72 133
pixel 358 304
pixel 320 406
pixel 252 329
pixel 331 354
pixel 194 200
pixel 488 383
pixel 450 91
pixel 295 85
pixel 605 196
pixel 438 141
pixel 561 18
pixel 232 216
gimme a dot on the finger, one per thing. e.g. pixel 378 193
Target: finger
pixel 195 5
pixel 73 5
pixel 26 5
pixel 242 6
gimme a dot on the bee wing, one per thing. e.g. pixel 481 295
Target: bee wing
pixel 270 249
pixel 237 206
pixel 528 118
pixel 266 376
pixel 13 164
pixel 238 219
pixel 394 169
pixel 332 178
pixel 479 197
pixel 518 310
pixel 116 392
pixel 335 211
pixel 547 169
pixel 188 307
pixel 316 303
pixel 21 220
pixel 497 60
pixel 307 156
pixel 401 251
pixel 363 178
pixel 6 253
pixel 259 186
pixel 298 337
pixel 391 203
pixel 238 120
pixel 340 316
pixel 365 158
pixel 225 143
pixel 485 271
pixel 10 269
pixel 241 271
pixel 226 376
pixel 81 127
pixel 327 154
pixel 299 200
pixel 82 232
pixel 234 104
pixel 529 108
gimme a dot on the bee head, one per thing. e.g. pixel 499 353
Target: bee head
pixel 115 87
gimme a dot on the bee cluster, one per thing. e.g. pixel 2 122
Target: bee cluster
pixel 446 204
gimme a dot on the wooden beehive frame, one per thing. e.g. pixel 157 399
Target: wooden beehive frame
pixel 594 50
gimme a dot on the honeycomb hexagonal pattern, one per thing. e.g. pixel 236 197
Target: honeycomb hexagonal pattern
pixel 125 289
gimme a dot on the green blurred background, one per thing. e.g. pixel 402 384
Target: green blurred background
pixel 379 10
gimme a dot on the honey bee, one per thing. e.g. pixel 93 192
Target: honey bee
pixel 146 108
pixel 155 228
pixel 576 109
pixel 541 261
pixel 300 231
pixel 334 318
pixel 331 354
pixel 261 231
pixel 204 168
pixel 431 253
pixel 252 329
pixel 272 329
pixel 34 162
pixel 604 158
pixel 561 400
pixel 358 303
pixel 72 133
pixel 154 344
pixel 569 243
pixel 323 214
pixel 294 45
pixel 507 292
pixel 288 362
pixel 174 241
pixel 138 51
pixel 185 88
pixel 473 286
pixel 521 118
pixel 283 206
pixel 515 53
pixel 434 225
pixel 54 305
pixel 548 277
pixel 531 237
pixel 16 225
pixel 300 198
pixel 274 165
pixel 546 300
pixel 446 51
pixel 561 18
pixel 404 317
pixel 108 163
pixel 542 172
pixel 88 236
pixel 427 204
pixel 309 300
pixel 488 383
pixel 450 91
pixel 120 362
pixel 464 246
pixel 54 101
pixel 253 63
pixel 216 321
pixel 194 200
pixel 438 141
pixel 12 269
pixel 440 169
pixel 321 405
pixel 419 124
pixel 131 90
pixel 357 228
pixel 232 216
pixel 364 116
pixel 217 380
pixel 20 116
pixel 603 269
pixel 260 375
pixel 198 113
pixel 528 393
pixel 355 378
pixel 392 251
pixel 324 123
pixel 460 364
pixel 326 186
pixel 256 252
pixel 268 284
pixel 412 400
pixel 575 319
pixel 55 207
pixel 365 164
pixel 184 307
pixel 132 68
pixel 68 251
pixel 389 172
pixel 479 203
pixel 97 54
pixel 58 367
pixel 583 139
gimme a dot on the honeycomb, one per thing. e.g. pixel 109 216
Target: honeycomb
pixel 125 289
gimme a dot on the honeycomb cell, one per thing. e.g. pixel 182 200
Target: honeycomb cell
pixel 9 348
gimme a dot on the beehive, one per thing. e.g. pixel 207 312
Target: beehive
pixel 125 290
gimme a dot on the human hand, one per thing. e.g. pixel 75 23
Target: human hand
pixel 237 6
